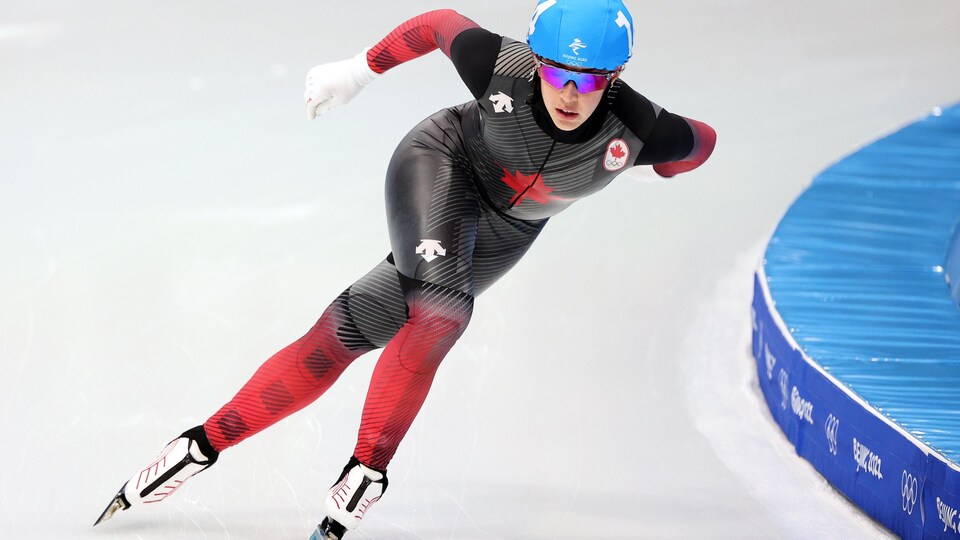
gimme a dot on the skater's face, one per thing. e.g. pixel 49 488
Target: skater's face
pixel 570 94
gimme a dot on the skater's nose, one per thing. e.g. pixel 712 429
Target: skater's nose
pixel 570 95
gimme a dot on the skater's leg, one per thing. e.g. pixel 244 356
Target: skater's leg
pixel 432 212
pixel 365 316
pixel 433 209
pixel 438 317
pixel 291 379
pixel 406 368
pixel 399 385
pixel 305 369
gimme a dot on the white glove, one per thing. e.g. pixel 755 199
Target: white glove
pixel 334 84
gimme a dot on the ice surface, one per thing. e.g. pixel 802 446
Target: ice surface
pixel 170 219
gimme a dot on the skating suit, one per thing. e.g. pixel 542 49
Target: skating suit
pixel 467 192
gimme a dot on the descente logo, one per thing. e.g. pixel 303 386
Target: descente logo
pixel 801 407
pixel 866 459
pixel 947 515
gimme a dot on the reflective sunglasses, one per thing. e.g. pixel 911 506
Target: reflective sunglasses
pixel 558 77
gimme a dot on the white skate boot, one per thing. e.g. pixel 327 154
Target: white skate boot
pixel 349 499
pixel 182 458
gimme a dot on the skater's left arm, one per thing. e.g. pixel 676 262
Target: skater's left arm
pixel 673 144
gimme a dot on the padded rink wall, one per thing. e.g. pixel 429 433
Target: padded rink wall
pixel 856 327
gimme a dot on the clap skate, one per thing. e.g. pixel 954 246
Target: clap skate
pixel 349 499
pixel 182 458
pixel 328 530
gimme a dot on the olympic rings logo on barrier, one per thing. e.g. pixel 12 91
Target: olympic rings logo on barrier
pixel 784 382
pixel 908 488
pixel 771 361
pixel 830 427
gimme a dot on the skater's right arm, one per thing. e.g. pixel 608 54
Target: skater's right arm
pixel 472 49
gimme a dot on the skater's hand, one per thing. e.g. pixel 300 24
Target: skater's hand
pixel 334 84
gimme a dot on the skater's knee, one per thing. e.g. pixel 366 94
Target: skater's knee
pixel 337 324
pixel 442 327
pixel 438 317
pixel 439 310
pixel 334 341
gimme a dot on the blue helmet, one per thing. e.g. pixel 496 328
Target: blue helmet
pixel 596 34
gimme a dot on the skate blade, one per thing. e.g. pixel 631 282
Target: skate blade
pixel 328 530
pixel 322 535
pixel 118 503
pixel 319 535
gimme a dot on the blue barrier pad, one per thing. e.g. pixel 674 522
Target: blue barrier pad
pixel 857 330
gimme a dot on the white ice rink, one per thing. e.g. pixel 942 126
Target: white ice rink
pixel 169 219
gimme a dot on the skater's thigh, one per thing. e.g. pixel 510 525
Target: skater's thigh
pixel 432 212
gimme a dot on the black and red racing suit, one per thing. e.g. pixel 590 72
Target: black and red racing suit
pixel 467 191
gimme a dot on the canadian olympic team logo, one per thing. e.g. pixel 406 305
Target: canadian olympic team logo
pixel 617 154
